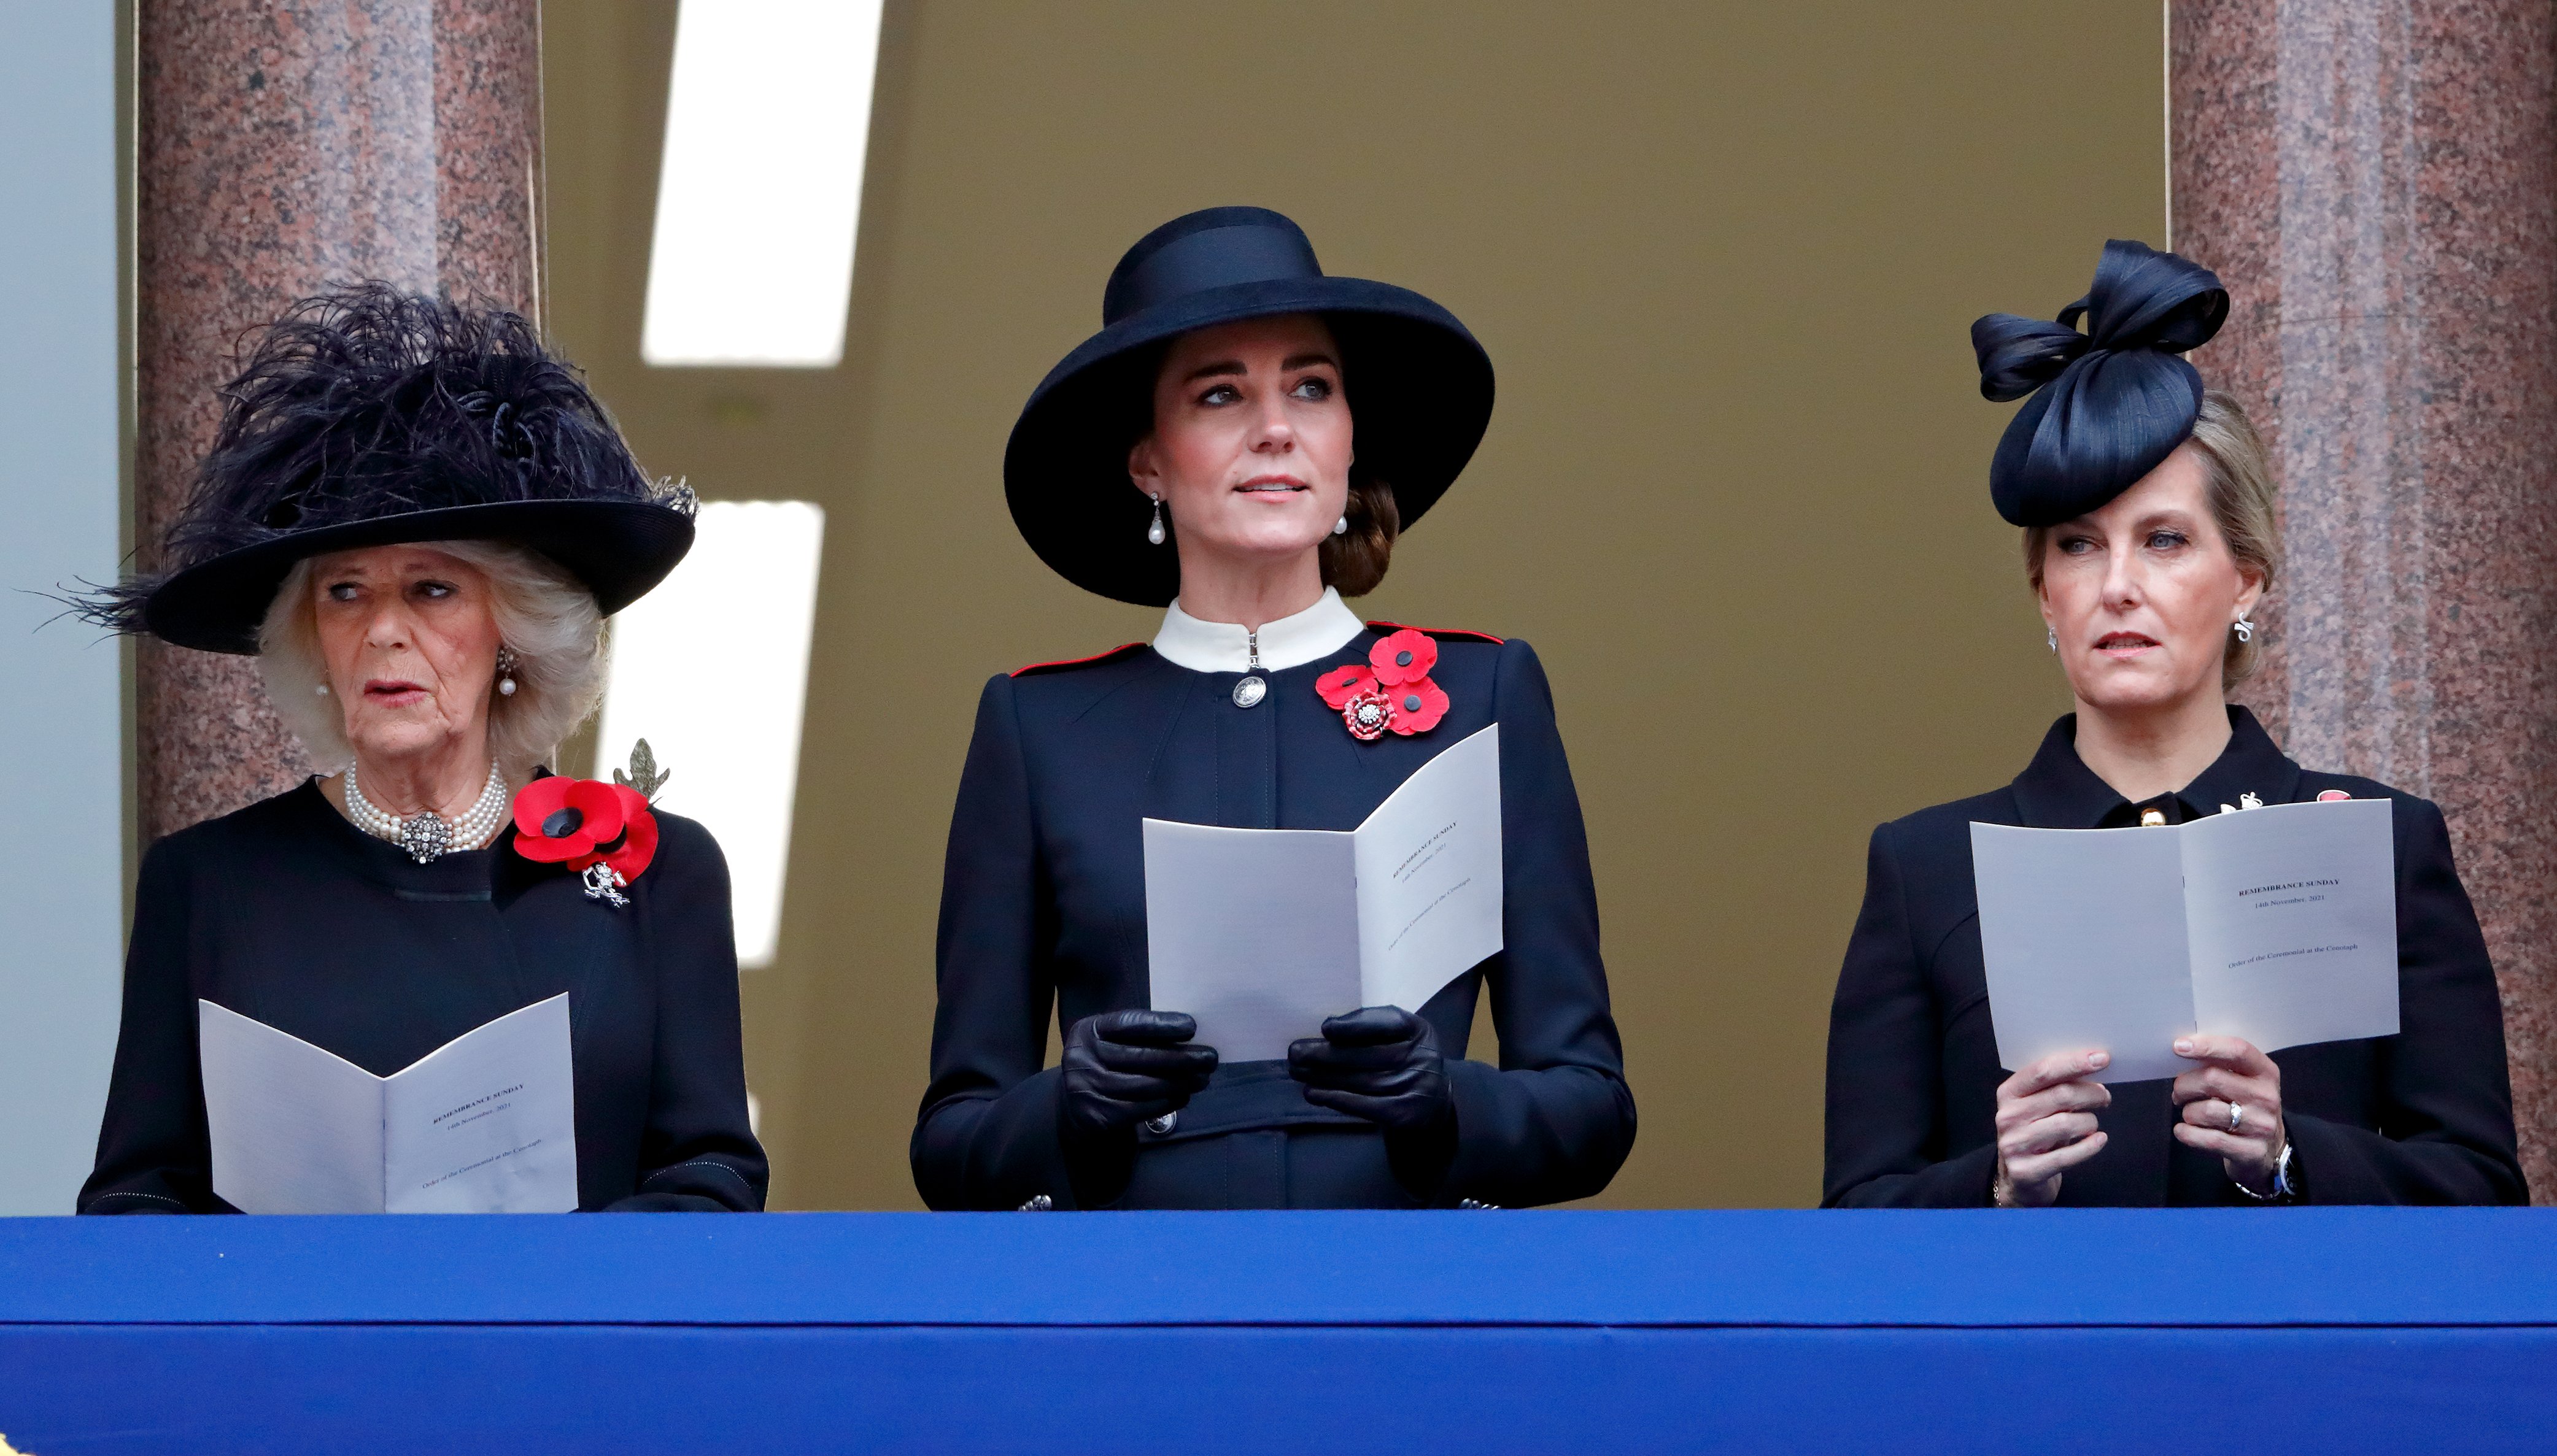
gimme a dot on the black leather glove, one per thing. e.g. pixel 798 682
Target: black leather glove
pixel 1124 1067
pixel 1380 1063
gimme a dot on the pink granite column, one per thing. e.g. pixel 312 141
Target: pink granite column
pixel 285 145
pixel 2376 181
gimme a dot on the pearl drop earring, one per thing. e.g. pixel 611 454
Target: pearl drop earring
pixel 1154 532
pixel 320 691
pixel 1341 527
pixel 506 660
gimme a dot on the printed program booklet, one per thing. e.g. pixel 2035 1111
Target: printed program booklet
pixel 2276 924
pixel 1262 933
pixel 484 1123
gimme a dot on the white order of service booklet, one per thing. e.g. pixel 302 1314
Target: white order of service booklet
pixel 1262 933
pixel 484 1123
pixel 2276 924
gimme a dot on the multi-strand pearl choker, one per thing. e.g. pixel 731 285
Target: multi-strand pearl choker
pixel 429 835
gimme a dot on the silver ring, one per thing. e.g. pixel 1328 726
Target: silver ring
pixel 2236 1115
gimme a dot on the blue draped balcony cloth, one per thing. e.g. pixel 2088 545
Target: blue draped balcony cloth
pixel 1207 1334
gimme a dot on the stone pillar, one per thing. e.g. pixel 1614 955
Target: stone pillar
pixel 2376 181
pixel 284 145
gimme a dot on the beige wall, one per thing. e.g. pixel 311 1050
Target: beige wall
pixel 1724 255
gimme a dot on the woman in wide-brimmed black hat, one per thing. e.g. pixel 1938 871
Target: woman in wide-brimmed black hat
pixel 1242 444
pixel 416 519
pixel 2147 509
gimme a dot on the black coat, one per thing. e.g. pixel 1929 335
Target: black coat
pixel 2422 1116
pixel 286 912
pixel 1043 904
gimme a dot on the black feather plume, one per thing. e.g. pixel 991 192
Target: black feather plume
pixel 366 402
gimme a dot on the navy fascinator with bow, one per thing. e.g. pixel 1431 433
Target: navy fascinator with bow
pixel 2109 404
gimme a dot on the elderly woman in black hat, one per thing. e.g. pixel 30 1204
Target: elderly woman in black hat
pixel 2147 508
pixel 1241 445
pixel 417 520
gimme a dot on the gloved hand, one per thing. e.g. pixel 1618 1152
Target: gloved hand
pixel 1380 1063
pixel 1122 1067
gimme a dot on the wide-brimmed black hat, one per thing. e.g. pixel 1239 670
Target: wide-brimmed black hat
pixel 2114 401
pixel 371 417
pixel 1420 389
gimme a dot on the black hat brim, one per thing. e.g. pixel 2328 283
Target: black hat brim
pixel 1419 384
pixel 620 549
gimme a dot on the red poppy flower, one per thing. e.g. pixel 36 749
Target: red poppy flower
pixel 559 820
pixel 1341 683
pixel 1393 692
pixel 1404 657
pixel 1417 705
pixel 584 821
pixel 638 843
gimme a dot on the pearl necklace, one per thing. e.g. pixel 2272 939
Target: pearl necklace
pixel 429 836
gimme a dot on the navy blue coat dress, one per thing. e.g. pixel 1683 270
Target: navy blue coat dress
pixel 2422 1116
pixel 1043 906
pixel 286 912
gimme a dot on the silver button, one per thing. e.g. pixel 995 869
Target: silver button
pixel 1162 1125
pixel 1250 692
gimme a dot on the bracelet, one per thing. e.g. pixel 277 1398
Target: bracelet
pixel 2284 1190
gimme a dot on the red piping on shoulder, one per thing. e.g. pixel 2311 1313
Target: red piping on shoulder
pixel 1124 647
pixel 1457 632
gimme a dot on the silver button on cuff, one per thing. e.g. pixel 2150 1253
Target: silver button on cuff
pixel 1162 1125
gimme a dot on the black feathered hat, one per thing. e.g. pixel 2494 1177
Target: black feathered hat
pixel 2113 401
pixel 371 417
pixel 1420 388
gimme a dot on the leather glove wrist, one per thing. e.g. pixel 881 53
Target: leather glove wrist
pixel 1380 1063
pixel 1121 1068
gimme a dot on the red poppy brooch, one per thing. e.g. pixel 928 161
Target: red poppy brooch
pixel 602 831
pixel 1391 692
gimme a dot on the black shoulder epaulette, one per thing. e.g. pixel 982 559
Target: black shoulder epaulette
pixel 1458 634
pixel 1122 650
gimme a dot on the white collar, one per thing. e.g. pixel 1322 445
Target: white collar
pixel 1291 641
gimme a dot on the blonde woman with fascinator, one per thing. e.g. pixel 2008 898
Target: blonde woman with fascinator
pixel 2146 508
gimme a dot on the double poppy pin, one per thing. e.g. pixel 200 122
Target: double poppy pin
pixel 602 831
pixel 1391 692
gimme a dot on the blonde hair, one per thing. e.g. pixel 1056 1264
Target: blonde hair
pixel 545 615
pixel 2237 480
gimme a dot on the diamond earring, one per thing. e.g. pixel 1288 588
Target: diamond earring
pixel 320 691
pixel 2052 636
pixel 506 661
pixel 1341 527
pixel 1154 532
pixel 2244 629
